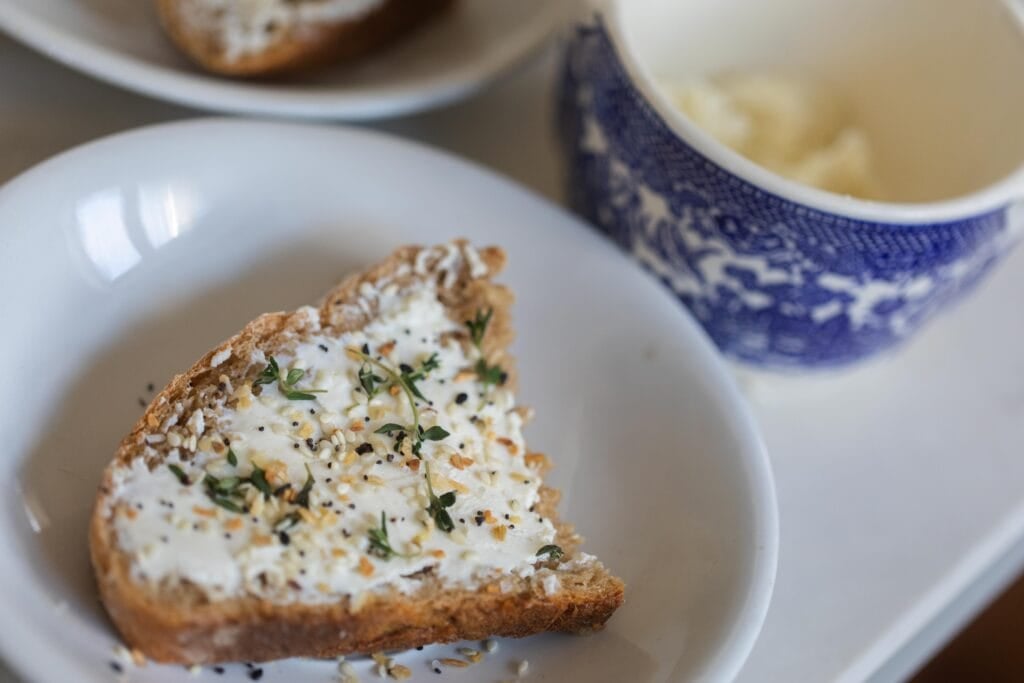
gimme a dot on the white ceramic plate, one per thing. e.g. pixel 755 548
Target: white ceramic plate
pixel 124 260
pixel 120 41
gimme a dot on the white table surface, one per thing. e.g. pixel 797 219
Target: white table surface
pixel 901 483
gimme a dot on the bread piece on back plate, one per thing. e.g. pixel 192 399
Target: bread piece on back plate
pixel 267 37
pixel 273 500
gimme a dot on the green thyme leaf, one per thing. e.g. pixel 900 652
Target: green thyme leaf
pixel 438 504
pixel 294 375
pixel 270 374
pixel 435 433
pixel 180 474
pixel 490 374
pixel 232 458
pixel 303 496
pixel 478 326
pixel 306 395
pixel 553 552
pixel 388 428
pixel 369 381
pixel 380 545
pixel 258 478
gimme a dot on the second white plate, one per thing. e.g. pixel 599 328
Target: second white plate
pixel 120 41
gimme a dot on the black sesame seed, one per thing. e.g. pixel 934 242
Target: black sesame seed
pixel 511 526
pixel 322 347
pixel 256 674
pixel 406 368
pixel 366 419
pixel 310 444
pixel 479 519
pixel 437 670
pixel 312 411
pixel 218 670
pixel 150 387
pixel 366 349
pixel 261 428
pixel 116 666
pixel 380 462
pixel 462 520
pixel 461 446
pixel 419 647
pixel 351 506
pixel 366 477
pixel 391 457
pixel 461 398
pixel 164 539
pixel 295 446
pixel 295 424
pixel 328 480
pixel 408 331
pixel 364 448
pixel 506 515
pixel 284 537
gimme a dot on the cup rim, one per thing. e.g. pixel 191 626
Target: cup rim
pixel 1004 192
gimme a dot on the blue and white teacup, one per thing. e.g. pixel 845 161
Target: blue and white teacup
pixel 781 274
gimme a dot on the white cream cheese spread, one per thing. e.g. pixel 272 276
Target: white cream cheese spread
pixel 248 27
pixel 282 494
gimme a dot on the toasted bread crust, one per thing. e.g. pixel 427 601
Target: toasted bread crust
pixel 295 50
pixel 182 625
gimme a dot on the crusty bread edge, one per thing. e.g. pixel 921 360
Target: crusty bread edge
pixel 314 45
pixel 197 632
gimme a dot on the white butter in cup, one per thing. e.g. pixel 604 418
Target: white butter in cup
pixel 791 127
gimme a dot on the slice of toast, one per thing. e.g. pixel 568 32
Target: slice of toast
pixel 269 37
pixel 283 498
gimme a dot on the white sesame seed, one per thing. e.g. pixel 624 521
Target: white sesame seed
pixel 174 439
pixel 491 645
pixel 155 438
pixel 195 670
pixel 523 667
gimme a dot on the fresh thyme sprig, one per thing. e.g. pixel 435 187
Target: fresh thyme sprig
pixel 380 545
pixel 286 384
pixel 478 325
pixel 180 474
pixel 489 375
pixel 404 378
pixel 225 492
pixel 553 552
pixel 438 504
pixel 369 381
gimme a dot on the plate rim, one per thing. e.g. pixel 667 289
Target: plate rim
pixel 740 638
pixel 203 91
